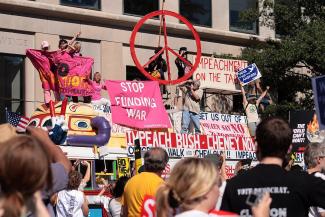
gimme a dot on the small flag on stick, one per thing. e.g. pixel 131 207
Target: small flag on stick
pixel 18 121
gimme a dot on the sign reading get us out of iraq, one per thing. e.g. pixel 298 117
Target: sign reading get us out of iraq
pixel 219 74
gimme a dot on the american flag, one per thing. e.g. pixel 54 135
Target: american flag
pixel 18 121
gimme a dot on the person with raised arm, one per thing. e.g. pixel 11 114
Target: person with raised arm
pixel 251 109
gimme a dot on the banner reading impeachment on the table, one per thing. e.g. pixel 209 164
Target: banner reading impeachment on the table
pixel 218 74
pixel 189 145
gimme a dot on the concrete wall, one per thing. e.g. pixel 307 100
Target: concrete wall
pixel 105 36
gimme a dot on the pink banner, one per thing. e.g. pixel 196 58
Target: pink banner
pixel 59 71
pixel 41 62
pixel 137 104
pixel 73 73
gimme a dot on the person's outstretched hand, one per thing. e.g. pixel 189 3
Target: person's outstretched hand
pixel 262 209
pixel 85 163
pixel 38 133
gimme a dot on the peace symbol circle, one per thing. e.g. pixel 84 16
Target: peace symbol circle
pixel 166 48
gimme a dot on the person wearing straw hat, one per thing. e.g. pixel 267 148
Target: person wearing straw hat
pixel 251 104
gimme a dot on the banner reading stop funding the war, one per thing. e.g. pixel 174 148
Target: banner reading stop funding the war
pixel 137 104
pixel 218 74
pixel 189 145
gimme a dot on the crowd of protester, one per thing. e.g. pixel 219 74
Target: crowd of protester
pixel 35 175
pixel 37 178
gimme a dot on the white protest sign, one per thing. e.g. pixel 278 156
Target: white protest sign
pixel 219 74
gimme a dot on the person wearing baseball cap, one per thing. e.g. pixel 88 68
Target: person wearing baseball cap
pixel 45 45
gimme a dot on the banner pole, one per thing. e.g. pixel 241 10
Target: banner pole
pixel 114 170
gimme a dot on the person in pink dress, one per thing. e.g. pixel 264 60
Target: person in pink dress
pixel 96 98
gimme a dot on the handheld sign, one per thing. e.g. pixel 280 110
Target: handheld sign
pixel 123 166
pixel 318 84
pixel 249 74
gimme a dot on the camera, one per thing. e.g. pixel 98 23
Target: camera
pixel 254 199
pixel 188 84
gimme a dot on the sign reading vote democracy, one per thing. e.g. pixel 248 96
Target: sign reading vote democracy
pixel 137 104
pixel 318 84
pixel 249 74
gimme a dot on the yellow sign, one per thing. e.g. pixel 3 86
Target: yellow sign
pixel 123 167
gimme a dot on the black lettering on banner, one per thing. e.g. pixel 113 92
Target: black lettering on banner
pixel 214 116
pixel 122 165
pixel 130 150
pixel 172 152
pixel 63 69
pixel 203 116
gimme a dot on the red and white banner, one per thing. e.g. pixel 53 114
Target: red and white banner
pixel 224 129
pixel 137 104
pixel 189 145
pixel 209 116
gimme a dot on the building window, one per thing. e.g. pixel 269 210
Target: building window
pixel 238 6
pixel 89 4
pixel 11 84
pixel 140 7
pixel 198 12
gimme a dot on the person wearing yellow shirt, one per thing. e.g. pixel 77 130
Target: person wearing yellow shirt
pixel 145 183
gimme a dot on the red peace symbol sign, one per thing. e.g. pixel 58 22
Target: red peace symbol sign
pixel 166 48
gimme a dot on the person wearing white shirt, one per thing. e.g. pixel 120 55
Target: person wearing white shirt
pixel 72 202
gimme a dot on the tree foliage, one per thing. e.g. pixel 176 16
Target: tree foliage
pixel 300 25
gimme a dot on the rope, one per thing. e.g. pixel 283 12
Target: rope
pixel 105 168
pixel 161 20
